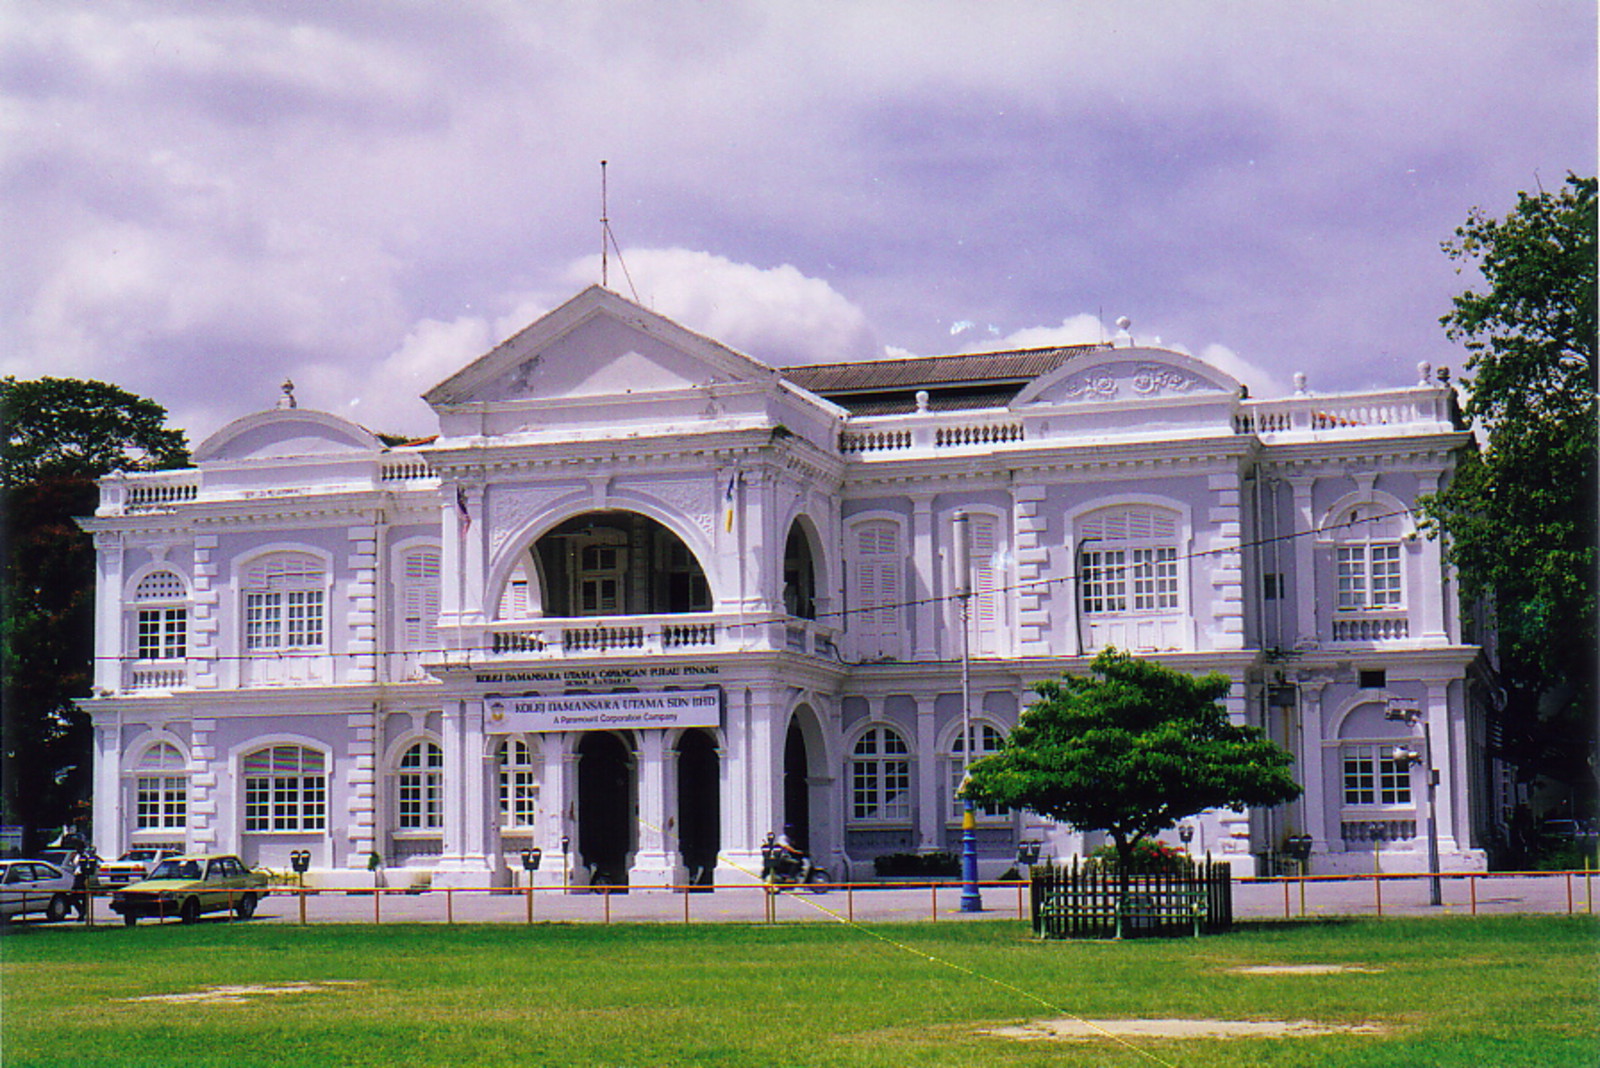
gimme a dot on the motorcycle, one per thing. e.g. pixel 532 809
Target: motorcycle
pixel 784 865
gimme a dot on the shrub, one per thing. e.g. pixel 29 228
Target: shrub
pixel 1149 855
pixel 912 864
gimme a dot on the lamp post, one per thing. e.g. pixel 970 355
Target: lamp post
pixel 971 900
pixel 1186 835
pixel 1410 712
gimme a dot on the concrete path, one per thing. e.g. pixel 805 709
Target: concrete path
pixel 1253 900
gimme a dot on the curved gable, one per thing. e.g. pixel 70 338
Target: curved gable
pixel 1130 375
pixel 286 432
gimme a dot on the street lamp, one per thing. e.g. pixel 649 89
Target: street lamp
pixel 971 900
pixel 1028 852
pixel 1186 835
pixel 1410 712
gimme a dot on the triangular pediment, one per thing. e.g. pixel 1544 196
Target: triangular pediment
pixel 1129 376
pixel 598 344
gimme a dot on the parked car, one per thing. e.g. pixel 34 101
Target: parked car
pixel 34 886
pixel 135 864
pixel 188 886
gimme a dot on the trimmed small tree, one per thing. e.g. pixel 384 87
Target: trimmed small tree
pixel 1130 749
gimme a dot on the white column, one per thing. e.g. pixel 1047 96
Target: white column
pixel 463 862
pixel 929 811
pixel 1225 523
pixel 1314 804
pixel 921 587
pixel 1434 585
pixel 1305 579
pixel 361 619
pixel 110 636
pixel 1447 734
pixel 1032 556
pixel 361 755
pixel 652 865
pixel 112 824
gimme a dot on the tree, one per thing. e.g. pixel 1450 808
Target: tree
pixel 60 435
pixel 1131 749
pixel 1519 515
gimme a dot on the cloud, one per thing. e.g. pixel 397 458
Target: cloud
pixel 208 198
pixel 776 314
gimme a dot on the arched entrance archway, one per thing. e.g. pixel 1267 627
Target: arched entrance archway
pixel 699 805
pixel 605 807
pixel 796 787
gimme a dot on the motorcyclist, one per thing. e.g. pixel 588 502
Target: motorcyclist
pixel 785 859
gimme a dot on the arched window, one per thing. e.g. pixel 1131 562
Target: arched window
pixel 162 621
pixel 419 599
pixel 519 765
pixel 1129 560
pixel 987 739
pixel 1367 559
pixel 877 566
pixel 285 789
pixel 799 576
pixel 419 787
pixel 880 777
pixel 161 789
pixel 284 597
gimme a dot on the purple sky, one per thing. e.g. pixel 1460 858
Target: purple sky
pixel 202 199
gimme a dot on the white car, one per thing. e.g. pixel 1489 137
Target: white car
pixel 34 886
pixel 135 864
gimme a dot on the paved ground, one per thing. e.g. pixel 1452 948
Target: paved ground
pixel 1267 899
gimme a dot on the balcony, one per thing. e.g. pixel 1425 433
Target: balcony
pixel 1419 408
pixel 150 675
pixel 1371 627
pixel 640 636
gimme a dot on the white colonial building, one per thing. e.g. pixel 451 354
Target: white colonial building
pixel 651 598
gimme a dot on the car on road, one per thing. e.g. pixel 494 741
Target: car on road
pixel 188 886
pixel 34 886
pixel 133 865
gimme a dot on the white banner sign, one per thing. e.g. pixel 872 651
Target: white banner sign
pixel 604 711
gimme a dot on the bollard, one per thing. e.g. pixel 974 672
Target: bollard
pixel 1472 889
pixel 1019 901
pixel 850 901
pixel 935 902
pixel 376 918
pixel 1377 892
pixel 449 905
pixel 1569 893
pixel 605 894
pixel 687 891
pixel 1286 899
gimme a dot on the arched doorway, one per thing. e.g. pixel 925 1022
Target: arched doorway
pixel 796 788
pixel 699 805
pixel 605 807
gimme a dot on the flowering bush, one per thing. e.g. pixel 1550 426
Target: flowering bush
pixel 1149 855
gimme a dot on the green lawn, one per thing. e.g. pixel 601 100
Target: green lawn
pixel 1485 993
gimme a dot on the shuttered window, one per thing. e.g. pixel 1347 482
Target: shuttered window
pixel 878 567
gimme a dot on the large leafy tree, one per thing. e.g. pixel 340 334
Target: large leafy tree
pixel 60 435
pixel 1520 512
pixel 1131 749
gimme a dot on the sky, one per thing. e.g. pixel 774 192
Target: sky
pixel 201 200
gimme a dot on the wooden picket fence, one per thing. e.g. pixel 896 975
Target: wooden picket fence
pixel 1086 901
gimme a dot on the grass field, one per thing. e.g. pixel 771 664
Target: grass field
pixel 1486 993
